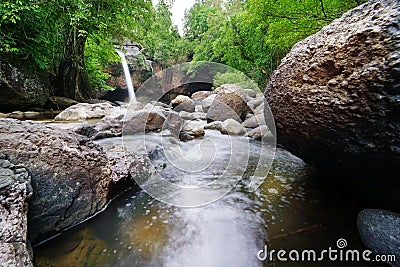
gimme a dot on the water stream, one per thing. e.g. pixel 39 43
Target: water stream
pixel 129 84
pixel 137 230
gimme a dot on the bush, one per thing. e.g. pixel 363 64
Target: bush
pixel 236 77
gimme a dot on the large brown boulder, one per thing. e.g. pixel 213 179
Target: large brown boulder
pixel 15 190
pixel 336 97
pixel 73 178
pixel 228 104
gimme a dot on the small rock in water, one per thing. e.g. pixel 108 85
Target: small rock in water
pixel 273 191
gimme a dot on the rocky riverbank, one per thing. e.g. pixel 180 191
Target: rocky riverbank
pixel 73 178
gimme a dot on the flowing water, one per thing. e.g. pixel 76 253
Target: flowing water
pixel 128 78
pixel 287 211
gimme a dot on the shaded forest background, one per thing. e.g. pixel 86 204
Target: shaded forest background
pixel 75 40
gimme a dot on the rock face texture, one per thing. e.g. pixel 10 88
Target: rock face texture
pixel 70 174
pixel 15 189
pixel 183 103
pixel 380 232
pixel 228 104
pixel 336 96
pixel 20 90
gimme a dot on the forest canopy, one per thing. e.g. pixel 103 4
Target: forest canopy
pixel 75 39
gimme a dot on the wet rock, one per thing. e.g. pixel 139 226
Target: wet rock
pixel 193 116
pixel 250 93
pixel 143 121
pixel 255 102
pixel 173 122
pixel 109 126
pixel 15 190
pixel 21 90
pixel 254 121
pixel 215 125
pixel 229 126
pixel 183 103
pixel 60 103
pixel 158 104
pixel 185 136
pixel 125 167
pixel 232 127
pixel 201 95
pixel 85 111
pixel 136 106
pixel 32 115
pixel 189 133
pixel 78 127
pixel 259 109
pixel 335 99
pixel 198 108
pixel 206 103
pixel 260 133
pixel 380 232
pixel 228 104
pixel 70 174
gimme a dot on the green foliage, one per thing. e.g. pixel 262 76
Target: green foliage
pixel 99 54
pixel 161 39
pixel 40 32
pixel 251 36
pixel 235 77
pixel 254 35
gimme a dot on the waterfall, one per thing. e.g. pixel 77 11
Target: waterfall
pixel 129 84
pixel 150 64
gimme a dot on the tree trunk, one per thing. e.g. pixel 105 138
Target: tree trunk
pixel 72 78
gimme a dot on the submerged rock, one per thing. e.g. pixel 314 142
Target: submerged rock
pixel 15 190
pixel 336 98
pixel 380 232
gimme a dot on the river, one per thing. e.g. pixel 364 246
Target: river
pixel 290 210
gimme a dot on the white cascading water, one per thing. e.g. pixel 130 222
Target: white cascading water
pixel 129 84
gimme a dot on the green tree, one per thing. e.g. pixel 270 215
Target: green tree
pixel 254 35
pixel 161 40
pixel 57 32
